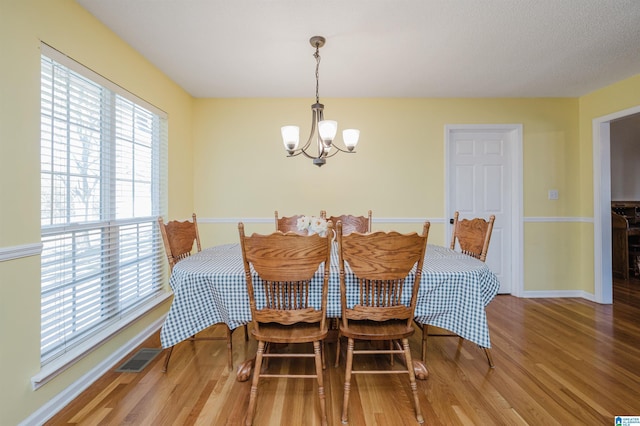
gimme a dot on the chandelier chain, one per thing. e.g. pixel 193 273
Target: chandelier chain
pixel 317 56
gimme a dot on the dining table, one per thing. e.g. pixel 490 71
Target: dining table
pixel 209 287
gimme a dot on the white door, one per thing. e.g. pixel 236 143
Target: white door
pixel 479 185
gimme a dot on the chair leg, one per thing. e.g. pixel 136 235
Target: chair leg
pixel 391 361
pixel 412 379
pixel 319 373
pixel 347 380
pixel 425 333
pixel 229 348
pixel 254 385
pixel 487 352
pixel 266 350
pixel 166 360
pixel 337 350
pixel 323 348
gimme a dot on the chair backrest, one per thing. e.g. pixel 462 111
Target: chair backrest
pixel 472 235
pixel 351 223
pixel 382 263
pixel 285 265
pixel 288 224
pixel 618 221
pixel 178 238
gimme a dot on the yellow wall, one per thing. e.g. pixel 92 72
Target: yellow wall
pixel 227 161
pixel 69 28
pixel 241 169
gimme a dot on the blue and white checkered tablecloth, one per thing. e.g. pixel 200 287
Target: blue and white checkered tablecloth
pixel 209 287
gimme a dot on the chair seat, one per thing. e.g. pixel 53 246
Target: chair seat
pixel 278 333
pixel 375 330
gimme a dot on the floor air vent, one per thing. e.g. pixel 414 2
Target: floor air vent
pixel 139 361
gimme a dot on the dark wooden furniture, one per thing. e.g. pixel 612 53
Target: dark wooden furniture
pixel 294 309
pixel 383 310
pixel 179 239
pixel 472 237
pixel 625 238
pixel 351 223
pixel 629 209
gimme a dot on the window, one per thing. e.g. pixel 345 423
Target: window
pixel 103 176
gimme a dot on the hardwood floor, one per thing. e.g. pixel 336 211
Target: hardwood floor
pixel 558 361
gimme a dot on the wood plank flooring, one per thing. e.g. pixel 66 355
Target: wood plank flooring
pixel 558 362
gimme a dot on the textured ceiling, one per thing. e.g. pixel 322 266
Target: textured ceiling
pixel 382 48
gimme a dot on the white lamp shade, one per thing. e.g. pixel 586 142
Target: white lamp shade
pixel 328 129
pixel 350 138
pixel 290 137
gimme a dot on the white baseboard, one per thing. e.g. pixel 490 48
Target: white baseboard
pixel 550 294
pixel 58 402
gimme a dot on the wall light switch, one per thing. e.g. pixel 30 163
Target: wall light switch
pixel 553 194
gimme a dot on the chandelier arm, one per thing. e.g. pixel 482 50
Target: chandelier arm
pixel 314 125
pixel 308 143
pixel 331 155
pixel 298 152
pixel 338 149
pixel 316 115
pixel 302 151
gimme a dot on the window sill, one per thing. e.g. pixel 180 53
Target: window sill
pixel 61 364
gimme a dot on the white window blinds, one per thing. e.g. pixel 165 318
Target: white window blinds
pixel 103 180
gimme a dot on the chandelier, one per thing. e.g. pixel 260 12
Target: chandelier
pixel 320 144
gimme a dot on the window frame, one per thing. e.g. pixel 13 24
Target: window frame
pixel 143 241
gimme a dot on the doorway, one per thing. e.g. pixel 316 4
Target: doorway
pixel 484 177
pixel 603 274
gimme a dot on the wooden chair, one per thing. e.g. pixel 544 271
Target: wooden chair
pixel 376 306
pixel 625 249
pixel 179 239
pixel 620 245
pixel 288 224
pixel 351 223
pixel 286 307
pixel 472 238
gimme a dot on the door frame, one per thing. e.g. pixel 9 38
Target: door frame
pixel 602 256
pixel 516 179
